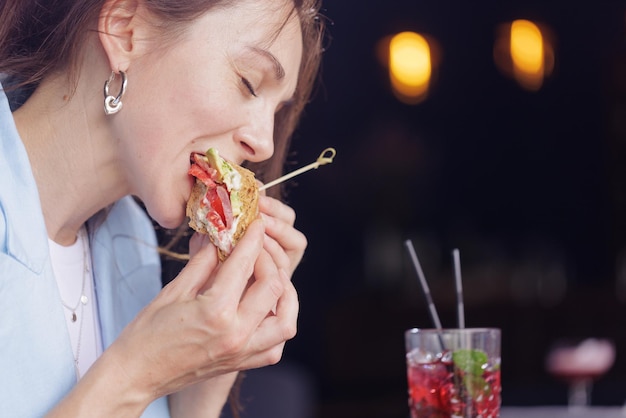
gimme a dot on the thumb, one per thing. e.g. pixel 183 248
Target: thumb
pixel 196 273
pixel 197 242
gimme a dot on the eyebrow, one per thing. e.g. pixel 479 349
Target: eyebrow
pixel 279 71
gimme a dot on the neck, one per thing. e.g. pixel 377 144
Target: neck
pixel 72 154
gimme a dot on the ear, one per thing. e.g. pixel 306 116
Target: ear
pixel 118 32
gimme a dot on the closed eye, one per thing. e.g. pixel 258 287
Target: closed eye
pixel 248 85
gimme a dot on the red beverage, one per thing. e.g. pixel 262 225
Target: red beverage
pixel 460 385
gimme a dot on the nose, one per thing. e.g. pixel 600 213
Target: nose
pixel 256 138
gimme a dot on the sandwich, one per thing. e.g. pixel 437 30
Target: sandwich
pixel 223 201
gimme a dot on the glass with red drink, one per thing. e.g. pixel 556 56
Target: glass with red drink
pixel 453 373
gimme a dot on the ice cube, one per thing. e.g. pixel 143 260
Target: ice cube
pixel 420 356
pixel 446 357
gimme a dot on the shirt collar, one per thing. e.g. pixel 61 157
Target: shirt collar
pixel 19 198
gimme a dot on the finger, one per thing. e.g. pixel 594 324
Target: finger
pixel 197 242
pixel 194 275
pixel 264 358
pixel 288 307
pixel 269 357
pixel 279 221
pixel 289 237
pixel 277 209
pixel 292 243
pixel 276 329
pixel 263 293
pixel 239 266
pixel 281 259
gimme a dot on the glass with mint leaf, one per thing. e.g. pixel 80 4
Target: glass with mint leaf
pixel 453 373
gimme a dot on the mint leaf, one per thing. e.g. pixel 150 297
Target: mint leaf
pixel 470 361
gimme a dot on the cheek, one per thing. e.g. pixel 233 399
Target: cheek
pixel 207 112
pixel 150 162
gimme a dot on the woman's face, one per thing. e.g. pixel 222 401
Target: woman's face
pixel 220 86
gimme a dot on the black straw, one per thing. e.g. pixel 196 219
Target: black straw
pixel 420 274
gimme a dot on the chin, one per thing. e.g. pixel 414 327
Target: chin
pixel 172 224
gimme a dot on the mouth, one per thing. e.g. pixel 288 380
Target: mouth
pixel 198 159
pixel 194 156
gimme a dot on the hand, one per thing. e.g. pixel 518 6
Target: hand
pixel 210 321
pixel 283 242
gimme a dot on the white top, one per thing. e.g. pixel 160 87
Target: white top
pixel 73 273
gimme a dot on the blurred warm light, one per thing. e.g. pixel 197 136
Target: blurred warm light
pixel 524 51
pixel 410 66
pixel 527 48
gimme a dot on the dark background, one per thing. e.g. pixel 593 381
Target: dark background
pixel 530 186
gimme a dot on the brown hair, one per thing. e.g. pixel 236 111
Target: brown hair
pixel 39 37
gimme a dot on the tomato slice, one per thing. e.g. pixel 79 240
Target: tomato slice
pixel 204 164
pixel 216 211
pixel 196 171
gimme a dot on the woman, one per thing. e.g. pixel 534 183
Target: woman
pixel 86 329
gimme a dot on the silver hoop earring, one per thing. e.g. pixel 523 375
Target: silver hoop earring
pixel 112 104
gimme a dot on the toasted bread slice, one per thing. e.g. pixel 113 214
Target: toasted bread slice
pixel 193 207
pixel 249 196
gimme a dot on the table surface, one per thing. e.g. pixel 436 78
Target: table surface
pixel 562 412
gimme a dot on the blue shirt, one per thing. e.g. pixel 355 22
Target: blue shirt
pixel 36 360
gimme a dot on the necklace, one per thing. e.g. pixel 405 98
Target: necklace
pixel 83 299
